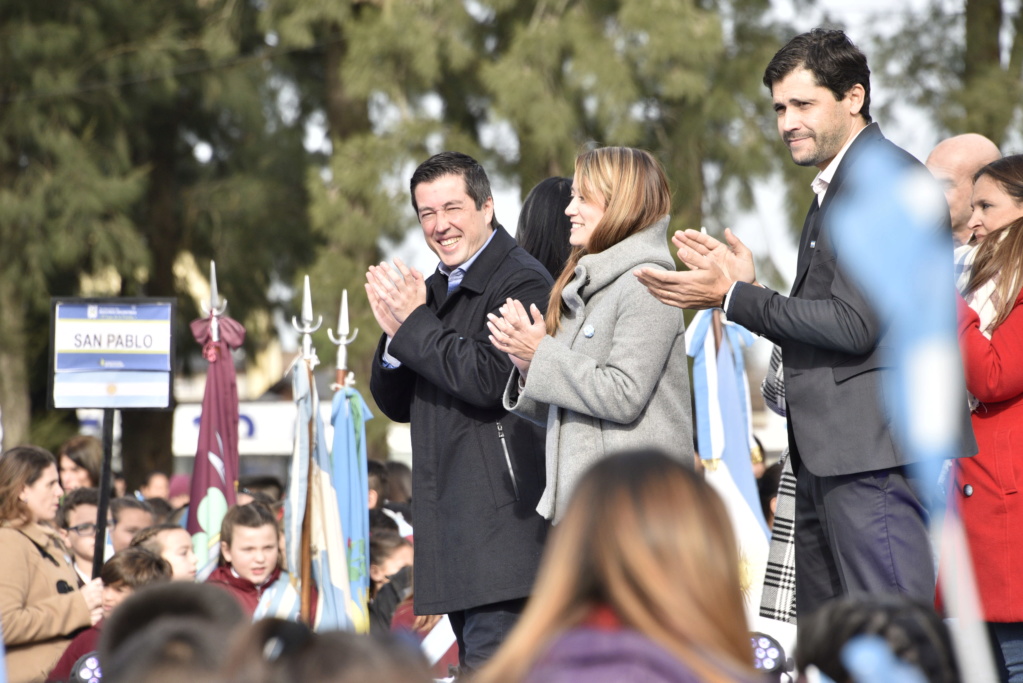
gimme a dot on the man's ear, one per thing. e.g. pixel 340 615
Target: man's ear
pixel 372 499
pixel 488 211
pixel 225 552
pixel 855 97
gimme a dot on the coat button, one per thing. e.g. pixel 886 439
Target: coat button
pixel 968 490
pixel 588 331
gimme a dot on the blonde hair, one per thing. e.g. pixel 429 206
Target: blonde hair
pixel 1000 256
pixel 635 194
pixel 645 537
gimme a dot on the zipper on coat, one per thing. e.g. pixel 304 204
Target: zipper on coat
pixel 507 459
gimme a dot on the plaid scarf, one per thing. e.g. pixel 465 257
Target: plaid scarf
pixel 778 600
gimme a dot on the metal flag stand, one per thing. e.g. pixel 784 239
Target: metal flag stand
pixel 306 329
pixel 342 377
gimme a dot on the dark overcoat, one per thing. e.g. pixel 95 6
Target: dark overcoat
pixel 477 470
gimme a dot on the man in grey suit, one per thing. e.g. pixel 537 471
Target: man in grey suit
pixel 861 521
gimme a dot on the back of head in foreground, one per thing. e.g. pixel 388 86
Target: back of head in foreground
pixel 166 628
pixel 644 537
pixel 278 651
pixel 913 631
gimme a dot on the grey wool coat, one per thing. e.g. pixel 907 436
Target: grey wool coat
pixel 615 375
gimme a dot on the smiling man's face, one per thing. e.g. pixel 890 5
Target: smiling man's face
pixel 454 228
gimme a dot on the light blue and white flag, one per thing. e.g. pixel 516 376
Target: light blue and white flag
pixel 724 425
pixel 725 438
pixel 892 227
pixel 3 658
pixel 349 478
pixel 313 474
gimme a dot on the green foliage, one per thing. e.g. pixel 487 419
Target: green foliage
pixel 950 60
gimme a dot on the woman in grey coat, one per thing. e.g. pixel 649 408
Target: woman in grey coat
pixel 607 370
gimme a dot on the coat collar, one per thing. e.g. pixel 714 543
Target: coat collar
pixel 596 271
pixel 483 268
pixel 866 139
pixel 868 136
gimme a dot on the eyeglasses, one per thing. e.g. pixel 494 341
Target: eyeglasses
pixel 87 529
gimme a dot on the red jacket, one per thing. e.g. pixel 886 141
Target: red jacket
pixel 85 642
pixel 988 488
pixel 247 593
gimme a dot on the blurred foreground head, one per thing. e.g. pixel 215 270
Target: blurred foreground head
pixel 279 651
pixel 913 631
pixel 169 632
pixel 646 538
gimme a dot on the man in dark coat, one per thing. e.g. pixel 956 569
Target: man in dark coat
pixel 861 523
pixel 478 471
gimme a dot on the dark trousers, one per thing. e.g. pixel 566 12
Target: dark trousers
pixel 860 533
pixel 481 630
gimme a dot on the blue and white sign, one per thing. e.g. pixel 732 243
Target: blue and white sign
pixel 113 353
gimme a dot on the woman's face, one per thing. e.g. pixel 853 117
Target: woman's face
pixel 993 208
pixel 72 476
pixel 584 214
pixel 43 496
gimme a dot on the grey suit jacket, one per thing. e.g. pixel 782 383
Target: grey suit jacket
pixel 833 340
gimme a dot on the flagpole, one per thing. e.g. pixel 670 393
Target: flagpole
pixel 342 340
pixel 308 355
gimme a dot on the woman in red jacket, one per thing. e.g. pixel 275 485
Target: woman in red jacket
pixel 989 487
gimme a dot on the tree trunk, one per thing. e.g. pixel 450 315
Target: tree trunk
pixel 345 115
pixel 15 404
pixel 146 434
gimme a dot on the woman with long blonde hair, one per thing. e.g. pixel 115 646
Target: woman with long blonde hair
pixel 640 581
pixel 991 343
pixel 607 369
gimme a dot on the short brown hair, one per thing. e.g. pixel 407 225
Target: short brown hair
pixel 135 567
pixel 252 515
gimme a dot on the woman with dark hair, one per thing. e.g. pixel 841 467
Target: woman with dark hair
pixel 544 228
pixel 991 342
pixel 639 582
pixel 607 369
pixel 40 604
pixel 81 459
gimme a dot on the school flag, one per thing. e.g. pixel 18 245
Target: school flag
pixel 215 473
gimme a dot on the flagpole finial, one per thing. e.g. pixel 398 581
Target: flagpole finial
pixel 307 327
pixel 216 306
pixel 342 340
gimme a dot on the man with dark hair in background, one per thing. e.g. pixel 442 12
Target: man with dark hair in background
pixel 478 471
pixel 861 521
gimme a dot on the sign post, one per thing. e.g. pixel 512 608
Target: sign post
pixel 112 354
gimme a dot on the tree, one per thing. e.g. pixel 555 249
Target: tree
pixel 523 86
pixel 67 185
pixel 950 60
pixel 182 100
